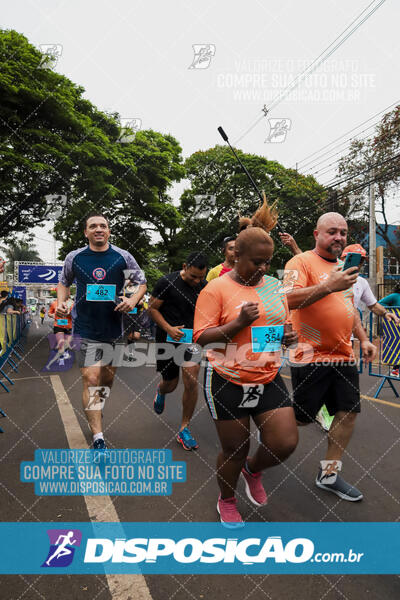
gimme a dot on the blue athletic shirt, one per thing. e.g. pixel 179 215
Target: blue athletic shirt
pixel 98 320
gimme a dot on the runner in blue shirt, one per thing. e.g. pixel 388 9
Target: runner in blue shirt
pixel 99 271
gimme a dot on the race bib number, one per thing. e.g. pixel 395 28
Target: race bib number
pixel 186 339
pixel 251 395
pixel 100 293
pixel 62 321
pixel 266 339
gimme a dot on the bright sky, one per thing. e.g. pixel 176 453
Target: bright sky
pixel 135 57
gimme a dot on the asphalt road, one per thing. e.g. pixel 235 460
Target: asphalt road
pixel 34 421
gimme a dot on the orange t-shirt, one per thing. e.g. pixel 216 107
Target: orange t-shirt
pixel 52 311
pixel 220 302
pixel 327 324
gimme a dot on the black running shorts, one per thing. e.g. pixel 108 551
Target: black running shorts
pixel 315 385
pixel 182 354
pixel 227 401
pixel 62 330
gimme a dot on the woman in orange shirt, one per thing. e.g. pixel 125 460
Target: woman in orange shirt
pixel 245 312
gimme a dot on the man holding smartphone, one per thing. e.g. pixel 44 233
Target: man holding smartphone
pixel 172 307
pixel 324 370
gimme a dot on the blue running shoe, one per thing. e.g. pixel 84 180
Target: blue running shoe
pixel 159 402
pixel 186 439
pixel 100 445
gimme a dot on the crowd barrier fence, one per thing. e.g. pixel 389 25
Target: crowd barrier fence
pixel 388 336
pixel 13 329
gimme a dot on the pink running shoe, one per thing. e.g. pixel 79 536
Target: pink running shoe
pixel 254 488
pixel 229 514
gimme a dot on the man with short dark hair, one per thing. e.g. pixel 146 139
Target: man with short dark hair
pixel 228 246
pixel 100 270
pixel 4 304
pixel 7 306
pixel 172 308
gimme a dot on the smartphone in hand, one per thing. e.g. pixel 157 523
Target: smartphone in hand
pixel 352 259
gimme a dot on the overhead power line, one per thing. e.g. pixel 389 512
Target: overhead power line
pixel 318 61
pixel 347 133
pixel 373 166
pixel 330 167
pixel 339 152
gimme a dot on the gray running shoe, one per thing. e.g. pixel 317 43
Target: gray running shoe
pixel 340 487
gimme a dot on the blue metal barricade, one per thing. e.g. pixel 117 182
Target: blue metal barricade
pixel 388 351
pixel 12 330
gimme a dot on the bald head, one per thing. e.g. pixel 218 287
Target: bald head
pixel 330 235
pixel 330 218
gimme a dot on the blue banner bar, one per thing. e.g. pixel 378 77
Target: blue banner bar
pixel 61 472
pixel 39 273
pixel 199 548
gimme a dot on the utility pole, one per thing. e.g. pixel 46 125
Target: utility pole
pixel 54 244
pixel 379 270
pixel 372 235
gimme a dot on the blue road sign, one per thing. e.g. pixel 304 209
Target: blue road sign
pixel 19 291
pixel 39 274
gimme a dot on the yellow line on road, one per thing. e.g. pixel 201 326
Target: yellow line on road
pixel 365 397
pixel 100 508
pixel 380 401
pixel 24 378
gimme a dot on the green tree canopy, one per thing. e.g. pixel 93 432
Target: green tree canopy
pixel 373 160
pixel 220 191
pixel 52 140
pixel 22 251
pixel 142 208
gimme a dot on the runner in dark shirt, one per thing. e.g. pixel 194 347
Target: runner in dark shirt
pixel 172 308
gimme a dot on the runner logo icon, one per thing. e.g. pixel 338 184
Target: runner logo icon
pixel 251 395
pixel 278 129
pixel 203 53
pixel 97 397
pixel 61 551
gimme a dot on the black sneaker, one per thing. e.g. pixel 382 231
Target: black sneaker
pixel 159 402
pixel 340 487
